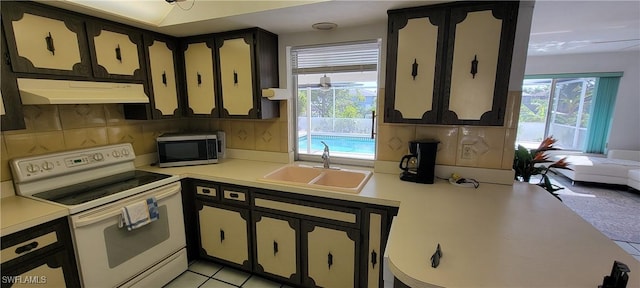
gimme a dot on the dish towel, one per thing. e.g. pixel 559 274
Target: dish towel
pixel 139 214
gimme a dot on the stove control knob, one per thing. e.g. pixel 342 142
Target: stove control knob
pixel 116 153
pixel 125 152
pixel 32 168
pixel 47 166
pixel 98 157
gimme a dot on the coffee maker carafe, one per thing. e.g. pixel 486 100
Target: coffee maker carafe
pixel 419 165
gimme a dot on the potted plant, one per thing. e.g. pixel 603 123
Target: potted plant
pixel 527 163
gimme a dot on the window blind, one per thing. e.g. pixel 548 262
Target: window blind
pixel 343 57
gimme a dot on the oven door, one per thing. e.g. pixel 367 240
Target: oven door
pixel 109 256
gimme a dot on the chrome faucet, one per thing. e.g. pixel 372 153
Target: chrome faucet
pixel 325 155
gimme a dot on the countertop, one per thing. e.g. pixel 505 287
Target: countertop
pixel 19 213
pixel 493 236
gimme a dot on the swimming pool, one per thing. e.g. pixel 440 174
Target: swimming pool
pixel 340 144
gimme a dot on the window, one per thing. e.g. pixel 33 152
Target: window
pixel 337 87
pixel 565 108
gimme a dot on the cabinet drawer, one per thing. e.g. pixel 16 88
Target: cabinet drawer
pixel 28 246
pixel 310 210
pixel 211 191
pixel 235 195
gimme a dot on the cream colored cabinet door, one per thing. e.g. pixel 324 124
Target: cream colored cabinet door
pixel 199 70
pixel 332 254
pixel 163 78
pixel 480 63
pixel 236 75
pixel 374 254
pixel 413 81
pixel 43 42
pixel 477 39
pixel 277 245
pixel 117 52
pixel 223 233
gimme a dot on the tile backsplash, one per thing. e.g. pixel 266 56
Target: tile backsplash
pixel 54 128
pixel 468 146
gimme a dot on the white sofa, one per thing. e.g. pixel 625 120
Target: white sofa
pixel 612 169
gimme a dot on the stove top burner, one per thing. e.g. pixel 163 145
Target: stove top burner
pixel 95 189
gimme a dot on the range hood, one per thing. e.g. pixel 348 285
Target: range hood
pixel 46 91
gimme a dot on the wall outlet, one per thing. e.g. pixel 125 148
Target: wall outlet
pixel 467 151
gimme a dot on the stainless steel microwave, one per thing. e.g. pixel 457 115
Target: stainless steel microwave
pixel 183 149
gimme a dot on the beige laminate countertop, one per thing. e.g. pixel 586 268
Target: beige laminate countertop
pixel 493 236
pixel 19 213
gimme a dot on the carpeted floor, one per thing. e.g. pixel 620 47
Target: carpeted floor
pixel 615 211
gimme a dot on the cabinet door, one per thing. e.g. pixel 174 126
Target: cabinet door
pixel 377 235
pixel 224 233
pixel 12 117
pixel 276 247
pixel 162 77
pixel 414 70
pixel 235 54
pixel 331 255
pixel 117 52
pixel 201 95
pixel 480 49
pixel 45 41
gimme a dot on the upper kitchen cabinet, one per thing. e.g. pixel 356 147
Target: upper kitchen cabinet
pixel 162 76
pixel 200 77
pixel 45 40
pixel 117 52
pixel 247 62
pixel 450 63
pixel 10 105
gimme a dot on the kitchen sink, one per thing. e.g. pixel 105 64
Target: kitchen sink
pixel 341 180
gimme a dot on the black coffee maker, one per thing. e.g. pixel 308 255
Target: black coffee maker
pixel 419 165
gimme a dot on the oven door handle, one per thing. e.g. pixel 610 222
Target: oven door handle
pixel 159 193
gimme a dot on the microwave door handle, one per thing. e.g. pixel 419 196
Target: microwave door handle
pixel 160 194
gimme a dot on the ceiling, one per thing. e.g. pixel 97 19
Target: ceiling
pixel 558 27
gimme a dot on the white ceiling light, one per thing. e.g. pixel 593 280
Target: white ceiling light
pixel 324 26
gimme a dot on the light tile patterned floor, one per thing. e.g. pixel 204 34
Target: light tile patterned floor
pixel 205 274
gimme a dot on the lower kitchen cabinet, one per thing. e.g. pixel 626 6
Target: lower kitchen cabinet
pixel 277 242
pixel 223 232
pixel 41 255
pixel 300 240
pixel 331 255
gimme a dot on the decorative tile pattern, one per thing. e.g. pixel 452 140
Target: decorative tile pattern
pixel 127 134
pixel 39 118
pixel 448 137
pixel 85 137
pixel 393 141
pixel 82 116
pixel 19 145
pixel 267 135
pixel 240 134
pixel 483 147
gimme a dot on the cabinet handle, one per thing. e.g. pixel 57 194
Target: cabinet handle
pixel 374 258
pixel 164 78
pixel 206 191
pixel 235 77
pixel 233 195
pixel 221 235
pixel 414 69
pixel 474 66
pixel 275 248
pixel 330 260
pixel 118 53
pixel 49 40
pixel 26 248
pixel 199 79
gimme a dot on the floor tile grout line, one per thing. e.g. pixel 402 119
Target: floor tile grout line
pixel 246 280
